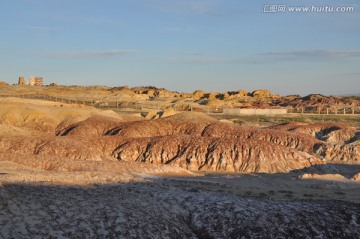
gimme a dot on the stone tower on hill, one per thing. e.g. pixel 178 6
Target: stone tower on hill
pixel 21 81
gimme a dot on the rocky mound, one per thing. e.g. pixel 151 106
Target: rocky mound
pixel 29 117
pixel 94 125
pixel 262 94
pixel 49 117
pixel 301 141
pixel 183 123
pixel 343 142
pixel 196 124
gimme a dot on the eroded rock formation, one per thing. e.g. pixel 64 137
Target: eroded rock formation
pixel 342 141
pixel 190 140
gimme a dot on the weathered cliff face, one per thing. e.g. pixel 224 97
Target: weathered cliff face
pixel 342 141
pixel 214 154
pixel 300 142
pixel 190 152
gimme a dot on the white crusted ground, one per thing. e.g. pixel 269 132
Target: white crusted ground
pixel 162 209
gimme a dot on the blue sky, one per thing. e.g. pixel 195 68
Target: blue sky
pixel 183 45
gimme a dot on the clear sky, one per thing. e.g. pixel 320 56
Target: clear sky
pixel 183 45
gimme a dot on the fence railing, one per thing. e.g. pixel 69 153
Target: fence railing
pixel 334 110
pixel 119 104
pixel 153 105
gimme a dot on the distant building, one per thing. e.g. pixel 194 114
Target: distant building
pixel 32 80
pixel 21 81
pixel 36 81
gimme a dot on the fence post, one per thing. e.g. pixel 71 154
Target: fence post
pixel 327 111
pixel 344 111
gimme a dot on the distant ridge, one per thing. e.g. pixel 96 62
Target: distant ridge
pixel 348 94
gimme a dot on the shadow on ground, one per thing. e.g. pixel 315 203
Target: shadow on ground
pixel 346 170
pixel 157 209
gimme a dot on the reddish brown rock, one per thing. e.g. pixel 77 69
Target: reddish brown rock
pixel 66 147
pixel 190 140
pixel 214 154
pixel 349 153
pixel 94 125
pixel 329 132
